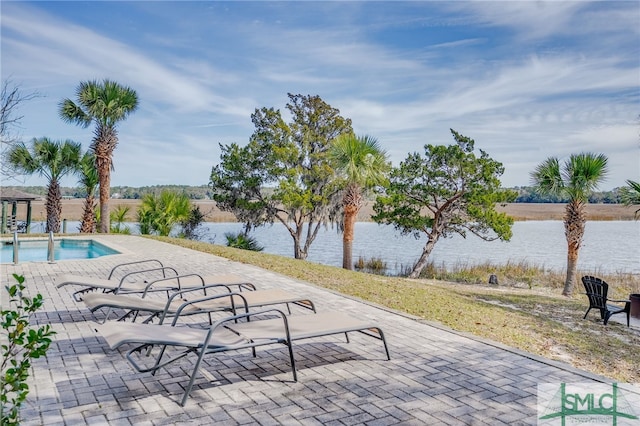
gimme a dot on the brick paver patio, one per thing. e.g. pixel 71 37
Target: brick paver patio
pixel 435 376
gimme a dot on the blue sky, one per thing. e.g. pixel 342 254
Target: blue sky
pixel 526 80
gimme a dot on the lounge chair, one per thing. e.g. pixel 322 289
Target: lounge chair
pixel 158 308
pixel 158 278
pixel 227 335
pixel 133 276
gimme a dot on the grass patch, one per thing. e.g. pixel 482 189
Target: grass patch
pixel 535 318
pixel 374 265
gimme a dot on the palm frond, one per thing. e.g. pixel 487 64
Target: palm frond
pixel 547 178
pixel 360 160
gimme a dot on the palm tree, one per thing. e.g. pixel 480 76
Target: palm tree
pixel 630 195
pixel 53 160
pixel 105 104
pixel 361 165
pixel 159 213
pixel 89 182
pixel 575 180
pixel 118 218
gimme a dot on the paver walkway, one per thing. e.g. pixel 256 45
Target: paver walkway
pixel 435 376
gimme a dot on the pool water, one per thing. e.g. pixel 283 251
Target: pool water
pixel 29 251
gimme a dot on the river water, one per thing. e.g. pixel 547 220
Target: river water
pixel 608 246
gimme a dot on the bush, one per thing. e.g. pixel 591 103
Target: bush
pixel 375 265
pixel 191 226
pixel 159 213
pixel 242 241
pixel 22 344
pixel 117 218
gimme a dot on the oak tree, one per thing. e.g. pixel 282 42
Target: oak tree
pixel 283 174
pixel 447 191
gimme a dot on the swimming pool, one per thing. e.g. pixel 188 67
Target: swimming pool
pixel 64 249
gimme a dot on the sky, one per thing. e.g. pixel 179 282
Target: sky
pixel 526 80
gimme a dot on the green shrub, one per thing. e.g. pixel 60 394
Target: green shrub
pixel 191 226
pixel 118 217
pixel 158 213
pixel 20 344
pixel 242 241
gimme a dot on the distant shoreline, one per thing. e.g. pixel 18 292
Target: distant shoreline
pixel 72 210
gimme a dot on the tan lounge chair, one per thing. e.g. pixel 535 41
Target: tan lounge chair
pixel 156 307
pixel 227 335
pixel 143 280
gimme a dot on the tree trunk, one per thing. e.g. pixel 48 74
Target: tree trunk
pixel 352 201
pixel 424 257
pixel 53 206
pixel 350 215
pixel 298 251
pixel 103 145
pixel 574 223
pixel 347 255
pixel 105 183
pixel 572 270
pixel 88 225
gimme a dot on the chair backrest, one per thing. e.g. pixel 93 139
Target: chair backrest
pixel 596 290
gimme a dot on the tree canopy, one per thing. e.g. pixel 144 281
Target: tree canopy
pixel 630 195
pixel 447 191
pixel 283 173
pixel 51 159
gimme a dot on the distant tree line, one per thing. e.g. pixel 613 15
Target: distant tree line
pixel 526 194
pixel 123 192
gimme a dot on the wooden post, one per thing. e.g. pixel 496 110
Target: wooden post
pixel 28 230
pixel 3 228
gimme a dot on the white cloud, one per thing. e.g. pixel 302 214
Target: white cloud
pixel 524 79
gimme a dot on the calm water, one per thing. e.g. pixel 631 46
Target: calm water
pixel 608 246
pixel 611 246
pixel 29 251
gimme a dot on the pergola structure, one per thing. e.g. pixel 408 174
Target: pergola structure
pixel 9 220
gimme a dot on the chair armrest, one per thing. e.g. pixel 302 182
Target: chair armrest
pixel 113 270
pixel 163 269
pixel 203 289
pixel 177 277
pixel 619 301
pixel 187 303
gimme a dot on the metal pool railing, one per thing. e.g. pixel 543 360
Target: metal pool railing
pixel 50 249
pixel 16 259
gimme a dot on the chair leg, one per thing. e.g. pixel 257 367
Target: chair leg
pixel 293 360
pixel 586 313
pixel 192 379
pixel 607 315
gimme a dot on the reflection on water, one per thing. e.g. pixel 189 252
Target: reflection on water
pixel 608 246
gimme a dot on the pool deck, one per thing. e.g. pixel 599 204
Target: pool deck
pixel 435 376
